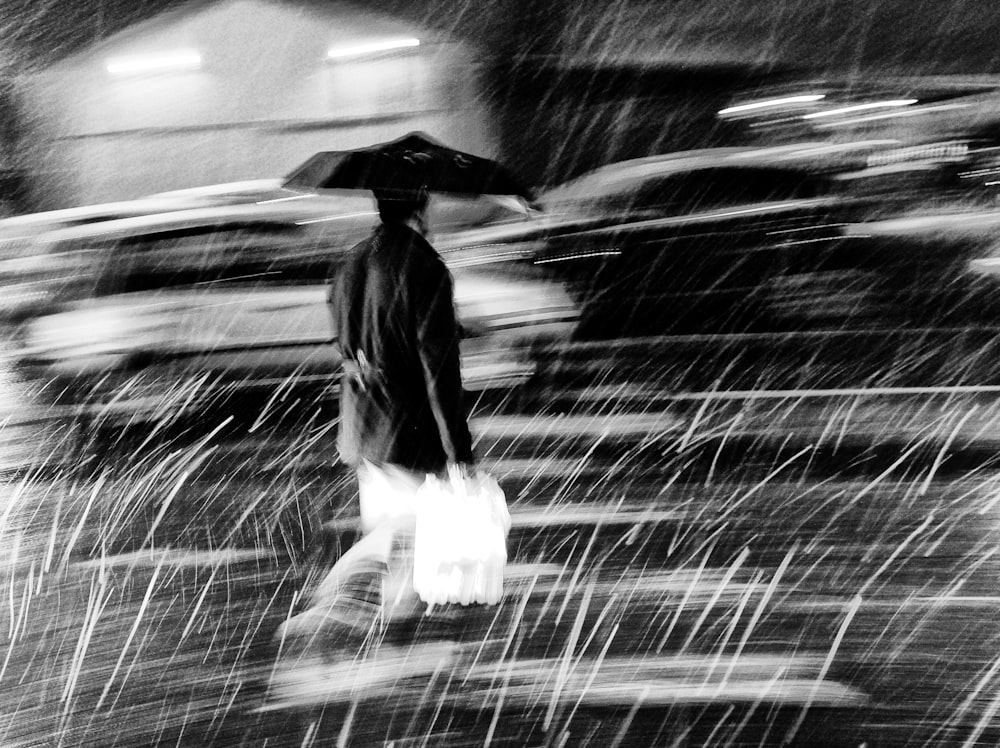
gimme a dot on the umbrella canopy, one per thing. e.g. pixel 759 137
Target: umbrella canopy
pixel 404 167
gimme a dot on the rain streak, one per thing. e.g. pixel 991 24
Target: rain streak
pixel 724 306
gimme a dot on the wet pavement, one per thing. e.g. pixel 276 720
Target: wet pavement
pixel 777 567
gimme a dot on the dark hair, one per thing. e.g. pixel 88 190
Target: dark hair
pixel 400 209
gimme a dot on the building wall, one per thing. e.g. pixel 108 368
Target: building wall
pixel 263 99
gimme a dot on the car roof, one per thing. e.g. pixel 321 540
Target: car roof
pixel 623 176
pixel 32 224
pixel 299 212
pixel 47 220
pixel 247 190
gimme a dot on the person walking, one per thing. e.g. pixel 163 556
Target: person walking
pixel 402 419
pixel 402 412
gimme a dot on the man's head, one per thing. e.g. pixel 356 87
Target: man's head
pixel 406 209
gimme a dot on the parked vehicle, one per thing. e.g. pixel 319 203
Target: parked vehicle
pixel 678 243
pixel 23 255
pixel 724 263
pixel 237 293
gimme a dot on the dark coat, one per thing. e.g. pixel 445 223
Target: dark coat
pixel 401 390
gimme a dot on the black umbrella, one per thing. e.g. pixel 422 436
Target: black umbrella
pixel 405 167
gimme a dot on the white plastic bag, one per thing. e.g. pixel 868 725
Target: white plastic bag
pixel 386 495
pixel 460 546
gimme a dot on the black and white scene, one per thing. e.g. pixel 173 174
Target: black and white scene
pixel 499 373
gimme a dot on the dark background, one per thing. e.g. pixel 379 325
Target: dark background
pixel 912 36
pixel 575 85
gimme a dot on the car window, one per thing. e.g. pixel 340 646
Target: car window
pixel 244 254
pixel 711 189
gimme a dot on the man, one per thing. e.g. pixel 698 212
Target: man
pixel 393 308
pixel 401 406
pixel 402 414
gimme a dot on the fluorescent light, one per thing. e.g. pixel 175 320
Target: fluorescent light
pixel 366 49
pixel 180 60
pixel 861 108
pixel 803 99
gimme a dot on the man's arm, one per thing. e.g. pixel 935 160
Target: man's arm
pixel 438 341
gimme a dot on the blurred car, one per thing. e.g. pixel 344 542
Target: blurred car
pixel 25 293
pixel 689 242
pixel 751 240
pixel 762 263
pixel 237 293
pixel 34 224
pixel 27 260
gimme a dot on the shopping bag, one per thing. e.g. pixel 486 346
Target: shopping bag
pixel 460 541
pixel 386 495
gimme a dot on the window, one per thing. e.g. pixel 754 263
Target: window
pixel 196 256
pixel 711 189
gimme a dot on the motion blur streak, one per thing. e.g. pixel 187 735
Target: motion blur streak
pixel 733 358
pixel 805 98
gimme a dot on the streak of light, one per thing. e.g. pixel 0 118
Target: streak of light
pixel 339 217
pixel 179 60
pixel 599 660
pixel 579 256
pixel 842 147
pixel 730 630
pixel 708 216
pixel 944 449
pixel 801 99
pixel 575 578
pixel 16 627
pixel 371 48
pixel 198 604
pixel 835 392
pixel 261 274
pixel 891 115
pixel 758 612
pixel 984 720
pixel 851 611
pixel 165 506
pixel 730 573
pixel 630 717
pixel 611 425
pixel 860 108
pixel 621 681
pixel 765 481
pixel 583 463
pixel 95 607
pixel 179 557
pixel 685 440
pixel 899 461
pixel 896 551
pixel 131 635
pixel 22 615
pixel 83 519
pixel 14 552
pixel 305 196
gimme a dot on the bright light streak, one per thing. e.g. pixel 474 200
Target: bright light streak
pixel 803 99
pixel 180 60
pixel 366 49
pixel 861 108
pixel 890 115
pixel 579 256
pixel 340 217
pixel 285 199
pixel 845 147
